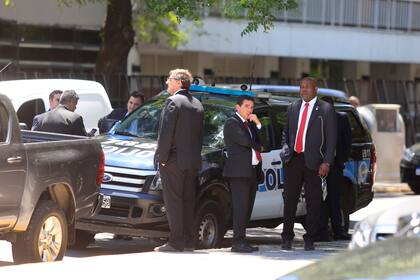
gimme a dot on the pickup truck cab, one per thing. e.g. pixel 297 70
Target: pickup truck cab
pixel 30 98
pixel 133 203
pixel 49 181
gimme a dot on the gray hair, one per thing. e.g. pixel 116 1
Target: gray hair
pixel 183 75
pixel 68 96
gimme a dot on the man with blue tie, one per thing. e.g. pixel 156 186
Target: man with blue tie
pixel 310 132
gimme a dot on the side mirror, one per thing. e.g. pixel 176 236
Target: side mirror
pixel 23 126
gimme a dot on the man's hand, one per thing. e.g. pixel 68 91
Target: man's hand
pixel 254 118
pixel 324 168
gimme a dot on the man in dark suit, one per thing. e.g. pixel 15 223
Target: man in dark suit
pixel 179 158
pixel 63 119
pixel 243 162
pixel 310 132
pixel 135 100
pixel 54 100
pixel 331 207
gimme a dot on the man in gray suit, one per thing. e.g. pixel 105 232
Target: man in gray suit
pixel 63 119
pixel 179 158
pixel 310 133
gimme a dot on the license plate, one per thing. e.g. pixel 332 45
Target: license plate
pixel 418 171
pixel 106 201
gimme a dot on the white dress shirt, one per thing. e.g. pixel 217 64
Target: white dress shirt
pixel 308 116
pixel 254 155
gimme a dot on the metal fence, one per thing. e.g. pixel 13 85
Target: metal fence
pixel 405 93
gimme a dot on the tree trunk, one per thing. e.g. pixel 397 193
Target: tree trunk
pixel 118 38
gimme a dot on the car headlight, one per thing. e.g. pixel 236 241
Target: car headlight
pixel 156 184
pixel 408 154
pixel 361 235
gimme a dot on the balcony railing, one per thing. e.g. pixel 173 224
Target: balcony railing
pixel 376 14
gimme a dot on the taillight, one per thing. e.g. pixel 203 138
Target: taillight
pixel 101 169
pixel 373 162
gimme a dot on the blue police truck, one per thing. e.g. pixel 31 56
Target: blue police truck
pixel 132 194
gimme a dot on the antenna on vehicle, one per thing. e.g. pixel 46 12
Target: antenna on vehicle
pixel 7 65
pixel 253 69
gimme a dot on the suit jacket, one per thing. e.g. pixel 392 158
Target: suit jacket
pixel 106 123
pixel 181 131
pixel 321 134
pixel 238 146
pixel 343 147
pixel 61 120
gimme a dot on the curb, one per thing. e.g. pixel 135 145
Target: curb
pixel 382 187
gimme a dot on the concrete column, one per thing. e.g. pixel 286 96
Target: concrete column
pixel 293 68
pixel 356 69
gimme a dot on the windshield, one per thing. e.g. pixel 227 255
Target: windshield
pixel 144 122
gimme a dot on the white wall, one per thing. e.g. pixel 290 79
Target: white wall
pixel 306 41
pixel 49 12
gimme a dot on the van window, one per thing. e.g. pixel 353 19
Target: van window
pixel 4 120
pixel 29 109
pixel 387 120
pixel 279 120
pixel 90 106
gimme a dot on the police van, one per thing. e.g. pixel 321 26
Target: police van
pixel 132 194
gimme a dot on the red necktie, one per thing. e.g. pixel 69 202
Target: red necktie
pixel 299 141
pixel 258 154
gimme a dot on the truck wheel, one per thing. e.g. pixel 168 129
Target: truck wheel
pixel 83 239
pixel 415 188
pixel 45 239
pixel 209 225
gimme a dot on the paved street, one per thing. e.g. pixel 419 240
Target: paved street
pixel 108 258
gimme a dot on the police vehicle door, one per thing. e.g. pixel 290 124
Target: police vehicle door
pixel 269 200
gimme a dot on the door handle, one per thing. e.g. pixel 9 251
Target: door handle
pixel 16 159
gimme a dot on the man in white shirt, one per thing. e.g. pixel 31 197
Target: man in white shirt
pixel 242 167
pixel 311 134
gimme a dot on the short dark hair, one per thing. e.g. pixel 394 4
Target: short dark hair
pixel 54 92
pixel 313 81
pixel 137 94
pixel 244 97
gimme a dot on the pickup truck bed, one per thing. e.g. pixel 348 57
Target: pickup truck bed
pixel 48 181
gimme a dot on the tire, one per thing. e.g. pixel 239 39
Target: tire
pixel 209 225
pixel 45 239
pixel 83 239
pixel 415 188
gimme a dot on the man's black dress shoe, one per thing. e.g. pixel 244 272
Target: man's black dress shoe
pixel 309 245
pixel 243 247
pixel 287 245
pixel 167 248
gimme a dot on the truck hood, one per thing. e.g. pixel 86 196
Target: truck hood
pixel 128 152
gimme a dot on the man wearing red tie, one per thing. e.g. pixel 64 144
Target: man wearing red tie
pixel 242 167
pixel 310 132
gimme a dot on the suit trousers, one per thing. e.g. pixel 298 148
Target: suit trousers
pixel 296 175
pixel 243 191
pixel 179 187
pixel 331 207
